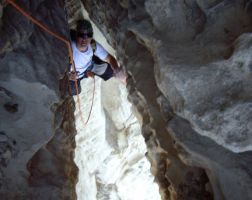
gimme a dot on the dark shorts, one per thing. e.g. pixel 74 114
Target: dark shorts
pixel 105 76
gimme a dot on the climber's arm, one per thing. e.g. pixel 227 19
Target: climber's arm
pixel 112 61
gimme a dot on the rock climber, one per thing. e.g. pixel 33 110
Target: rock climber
pixel 90 58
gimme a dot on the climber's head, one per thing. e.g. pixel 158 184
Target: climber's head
pixel 84 33
pixel 84 29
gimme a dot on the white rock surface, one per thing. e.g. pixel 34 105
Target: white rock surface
pixel 110 152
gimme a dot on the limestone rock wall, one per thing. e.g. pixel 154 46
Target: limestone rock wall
pixel 189 63
pixel 36 120
pixel 110 150
pixel 189 66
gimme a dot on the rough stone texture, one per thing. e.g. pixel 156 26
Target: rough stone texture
pixel 190 77
pixel 37 125
pixel 74 11
pixel 110 150
pixel 189 63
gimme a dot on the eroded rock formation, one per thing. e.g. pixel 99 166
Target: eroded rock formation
pixel 189 65
pixel 110 150
pixel 37 121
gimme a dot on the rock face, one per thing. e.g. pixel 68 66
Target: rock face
pixel 190 78
pixel 189 65
pixel 37 125
pixel 110 150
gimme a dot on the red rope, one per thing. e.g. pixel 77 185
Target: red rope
pixel 46 29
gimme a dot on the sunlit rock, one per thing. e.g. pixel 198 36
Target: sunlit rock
pixel 110 151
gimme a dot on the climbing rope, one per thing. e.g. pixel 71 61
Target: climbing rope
pixel 46 29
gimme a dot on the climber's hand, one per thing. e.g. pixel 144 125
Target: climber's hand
pixel 90 74
pixel 72 76
pixel 120 74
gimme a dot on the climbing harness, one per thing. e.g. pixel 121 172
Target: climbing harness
pixel 46 29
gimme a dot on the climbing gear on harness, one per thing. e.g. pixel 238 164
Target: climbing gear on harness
pixel 46 29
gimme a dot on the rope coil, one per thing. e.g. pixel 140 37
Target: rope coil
pixel 68 44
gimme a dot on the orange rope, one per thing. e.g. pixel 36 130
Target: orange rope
pixel 92 102
pixel 46 29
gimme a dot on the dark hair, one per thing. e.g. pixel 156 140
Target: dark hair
pixel 84 25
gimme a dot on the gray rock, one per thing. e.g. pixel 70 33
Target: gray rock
pixel 188 60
